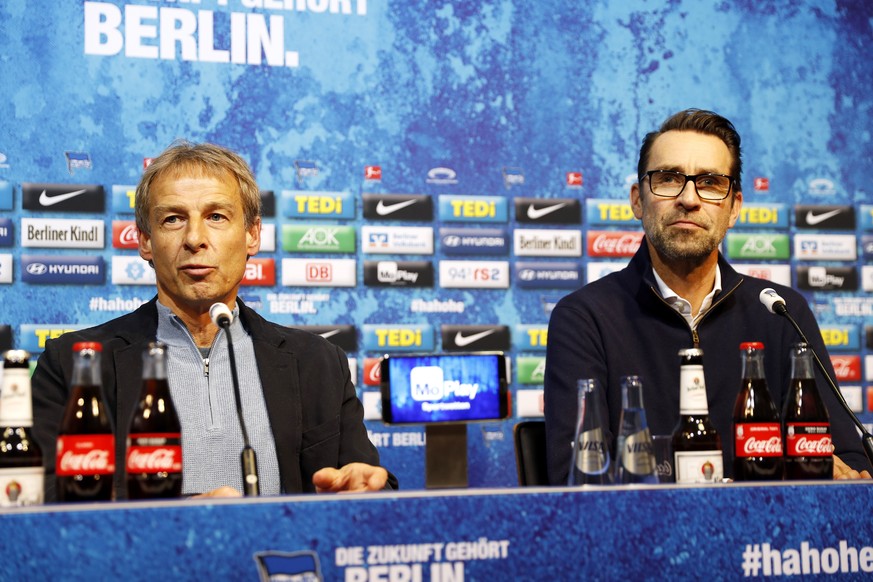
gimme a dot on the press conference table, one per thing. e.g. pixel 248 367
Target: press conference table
pixel 645 532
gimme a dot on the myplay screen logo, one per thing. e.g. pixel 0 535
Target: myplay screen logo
pixel 398 274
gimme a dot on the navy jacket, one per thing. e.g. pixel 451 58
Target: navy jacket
pixel 620 325
pixel 315 415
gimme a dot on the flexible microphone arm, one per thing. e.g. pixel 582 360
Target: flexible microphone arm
pixel 222 317
pixel 775 304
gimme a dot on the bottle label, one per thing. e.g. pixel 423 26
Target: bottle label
pixel 154 453
pixel 591 457
pixel 637 454
pixel 21 486
pixel 808 439
pixel 699 466
pixel 16 406
pixel 85 454
pixel 692 390
pixel 758 439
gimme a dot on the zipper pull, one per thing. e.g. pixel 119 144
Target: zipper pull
pixel 206 367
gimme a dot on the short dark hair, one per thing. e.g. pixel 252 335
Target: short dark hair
pixel 701 121
pixel 202 159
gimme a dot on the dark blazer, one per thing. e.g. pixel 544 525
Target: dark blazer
pixel 315 415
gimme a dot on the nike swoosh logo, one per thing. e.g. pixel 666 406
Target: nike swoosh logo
pixel 812 219
pixel 383 209
pixel 462 340
pixel 534 213
pixel 46 200
pixel 330 333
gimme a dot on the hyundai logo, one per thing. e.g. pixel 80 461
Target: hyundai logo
pixel 36 268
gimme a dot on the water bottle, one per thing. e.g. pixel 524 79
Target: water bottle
pixel 590 462
pixel 635 453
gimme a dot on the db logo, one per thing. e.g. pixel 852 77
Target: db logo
pixel 319 272
pixel 260 272
pixel 124 234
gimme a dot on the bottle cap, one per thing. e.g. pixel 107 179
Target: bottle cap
pixel 79 346
pixel 16 357
pixel 690 352
pixel 752 346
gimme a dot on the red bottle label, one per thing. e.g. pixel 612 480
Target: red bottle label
pixel 85 454
pixel 154 453
pixel 808 439
pixel 759 439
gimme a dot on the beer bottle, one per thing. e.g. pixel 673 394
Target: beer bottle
pixel 807 428
pixel 697 453
pixel 154 442
pixel 86 447
pixel 21 469
pixel 757 432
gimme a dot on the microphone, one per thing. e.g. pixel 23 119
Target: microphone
pixel 776 304
pixel 221 316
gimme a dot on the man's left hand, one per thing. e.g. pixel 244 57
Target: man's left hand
pixel 352 478
pixel 843 471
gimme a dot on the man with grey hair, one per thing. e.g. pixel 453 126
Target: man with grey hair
pixel 198 216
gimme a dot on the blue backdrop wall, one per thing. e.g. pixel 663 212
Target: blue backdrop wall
pixel 485 114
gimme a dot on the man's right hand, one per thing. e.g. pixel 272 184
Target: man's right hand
pixel 223 491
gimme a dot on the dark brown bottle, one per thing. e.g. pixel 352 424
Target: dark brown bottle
pixel 21 469
pixel 86 447
pixel 697 452
pixel 807 427
pixel 154 442
pixel 757 431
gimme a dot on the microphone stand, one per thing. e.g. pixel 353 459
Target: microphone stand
pixel 248 459
pixel 866 437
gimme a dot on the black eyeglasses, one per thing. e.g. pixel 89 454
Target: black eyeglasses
pixel 669 184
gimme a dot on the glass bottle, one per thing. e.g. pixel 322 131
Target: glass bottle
pixel 635 454
pixel 807 427
pixel 697 452
pixel 591 460
pixel 21 470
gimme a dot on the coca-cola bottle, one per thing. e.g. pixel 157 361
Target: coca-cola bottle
pixel 154 442
pixel 21 469
pixel 590 462
pixel 757 431
pixel 697 453
pixel 635 455
pixel 86 447
pixel 807 428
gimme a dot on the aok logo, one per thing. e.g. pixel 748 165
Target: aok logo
pixel 318 239
pixel 758 246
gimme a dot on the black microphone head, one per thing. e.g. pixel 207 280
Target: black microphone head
pixel 220 315
pixel 772 301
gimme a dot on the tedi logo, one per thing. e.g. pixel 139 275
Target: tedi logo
pixel 442 176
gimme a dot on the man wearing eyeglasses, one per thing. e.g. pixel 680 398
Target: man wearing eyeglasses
pixel 679 292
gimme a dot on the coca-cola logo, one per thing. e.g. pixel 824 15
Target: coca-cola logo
pixel 154 460
pixel 813 446
pixel 753 446
pixel 614 244
pixel 847 367
pixel 92 462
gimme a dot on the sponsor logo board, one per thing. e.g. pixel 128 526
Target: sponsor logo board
pixel 398 273
pixel 474 274
pixel 260 272
pixel 5 195
pixel 548 210
pixel 846 368
pixel 411 240
pixel 610 243
pixel 123 198
pixel 268 204
pixel 529 403
pixel 124 234
pixel 531 337
pixel 844 337
pixel 5 269
pixel 372 372
pixel 867 279
pixel 818 278
pixel 866 214
pixel 343 336
pixel 63 269
pixel 132 270
pixel 318 272
pixel 474 241
pixel 602 212
pixel 763 216
pixel 548 275
pixel 758 246
pixel 780 274
pixel 457 208
pixel 398 207
pixel 268 237
pixel 825 217
pixel 474 338
pixel 547 243
pixel 318 239
pixel 595 270
pixel 7 232
pixel 530 369
pixel 825 247
pixel 392 337
pixel 309 204
pixel 372 402
pixel 61 233
pixel 63 197
pixel 34 335
pixel 853 397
